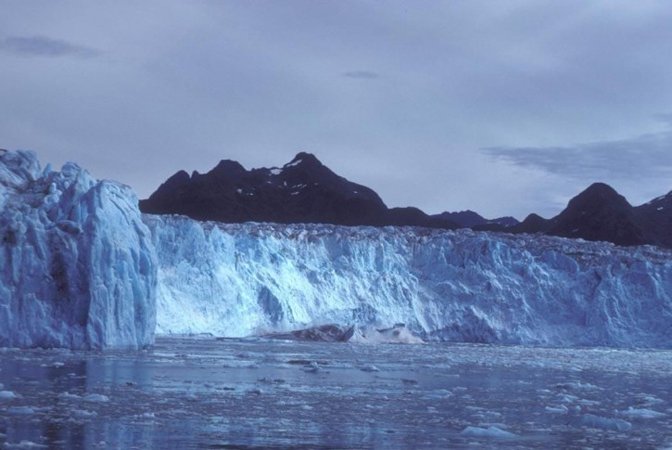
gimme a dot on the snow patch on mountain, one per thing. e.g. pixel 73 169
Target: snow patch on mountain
pixel 77 266
pixel 245 279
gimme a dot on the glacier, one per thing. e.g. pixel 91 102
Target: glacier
pixel 81 268
pixel 239 280
pixel 77 265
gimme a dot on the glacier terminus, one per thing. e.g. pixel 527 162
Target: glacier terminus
pixel 82 268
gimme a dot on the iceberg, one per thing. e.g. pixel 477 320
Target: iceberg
pixel 491 432
pixel 238 280
pixel 592 421
pixel 77 265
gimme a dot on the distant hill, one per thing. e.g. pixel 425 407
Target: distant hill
pixel 471 219
pixel 601 214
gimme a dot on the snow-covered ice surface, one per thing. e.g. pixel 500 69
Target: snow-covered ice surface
pixel 256 393
pixel 77 266
pixel 249 279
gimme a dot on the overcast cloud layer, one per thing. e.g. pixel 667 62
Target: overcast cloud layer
pixel 504 107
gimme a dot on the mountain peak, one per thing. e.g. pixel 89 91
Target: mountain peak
pixel 304 159
pixel 227 168
pixel 599 214
pixel 533 223
pixel 596 196
pixel 599 189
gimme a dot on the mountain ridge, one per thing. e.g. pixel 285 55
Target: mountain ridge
pixel 306 191
pixel 302 191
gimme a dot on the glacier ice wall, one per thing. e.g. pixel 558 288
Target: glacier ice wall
pixel 239 280
pixel 77 266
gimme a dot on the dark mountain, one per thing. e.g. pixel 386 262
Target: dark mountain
pixel 306 191
pixel 416 217
pixel 533 223
pixel 656 217
pixel 302 191
pixel 471 219
pixel 601 214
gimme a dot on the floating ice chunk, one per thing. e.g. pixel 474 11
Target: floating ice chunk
pixel 491 432
pixel 100 398
pixel 606 423
pixel 21 410
pixel 83 414
pixel 25 444
pixel 566 398
pixel 648 400
pixel 69 396
pixel 562 409
pixel 7 395
pixel 439 394
pixel 313 367
pixel 579 386
pixel 642 413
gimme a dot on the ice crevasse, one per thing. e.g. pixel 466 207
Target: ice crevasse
pixel 245 279
pixel 77 265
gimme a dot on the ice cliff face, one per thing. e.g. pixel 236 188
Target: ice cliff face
pixel 77 266
pixel 238 280
pixel 78 269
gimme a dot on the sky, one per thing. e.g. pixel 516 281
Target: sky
pixel 504 107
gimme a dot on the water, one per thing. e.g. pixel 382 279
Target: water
pixel 208 393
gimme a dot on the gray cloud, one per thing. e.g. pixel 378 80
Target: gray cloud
pixel 645 156
pixel 666 118
pixel 42 46
pixel 361 74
